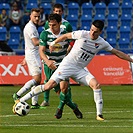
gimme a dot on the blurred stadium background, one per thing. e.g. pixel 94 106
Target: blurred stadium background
pixel 117 15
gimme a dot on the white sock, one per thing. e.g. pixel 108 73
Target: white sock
pixel 98 100
pixel 34 100
pixel 26 87
pixel 36 91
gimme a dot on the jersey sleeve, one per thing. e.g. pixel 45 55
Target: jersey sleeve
pixel 80 34
pixel 43 38
pixel 46 26
pixel 107 46
pixel 33 33
pixel 68 27
pixel 76 34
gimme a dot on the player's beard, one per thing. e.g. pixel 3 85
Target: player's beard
pixel 36 24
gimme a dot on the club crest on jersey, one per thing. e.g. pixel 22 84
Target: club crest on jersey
pixel 96 45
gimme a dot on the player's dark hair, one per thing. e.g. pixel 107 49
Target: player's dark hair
pixel 58 5
pixel 35 10
pixel 99 24
pixel 56 17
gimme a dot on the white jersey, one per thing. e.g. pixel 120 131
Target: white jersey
pixel 30 31
pixel 85 49
pixel 31 51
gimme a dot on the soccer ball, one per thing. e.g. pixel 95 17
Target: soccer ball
pixel 22 108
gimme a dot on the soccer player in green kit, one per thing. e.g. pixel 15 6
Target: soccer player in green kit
pixel 53 59
pixel 58 9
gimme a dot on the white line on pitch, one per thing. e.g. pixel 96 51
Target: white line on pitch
pixel 55 125
pixel 109 112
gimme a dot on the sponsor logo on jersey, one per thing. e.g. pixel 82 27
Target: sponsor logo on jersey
pixel 58 47
pixel 88 51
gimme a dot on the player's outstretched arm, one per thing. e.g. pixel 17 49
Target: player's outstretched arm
pixel 121 55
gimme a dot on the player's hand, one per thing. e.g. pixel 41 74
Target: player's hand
pixel 51 48
pixel 23 63
pixel 51 64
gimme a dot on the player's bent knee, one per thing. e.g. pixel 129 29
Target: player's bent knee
pixel 94 84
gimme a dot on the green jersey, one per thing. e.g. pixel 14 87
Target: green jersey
pixel 65 24
pixel 46 37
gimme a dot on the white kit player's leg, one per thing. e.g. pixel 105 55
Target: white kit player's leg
pixel 39 89
pixel 89 80
pixel 98 100
pixel 35 98
pixel 26 87
pixel 36 91
pixel 99 103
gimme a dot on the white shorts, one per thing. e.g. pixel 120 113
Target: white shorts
pixel 80 75
pixel 34 66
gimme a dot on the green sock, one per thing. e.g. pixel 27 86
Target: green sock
pixel 69 100
pixel 62 101
pixel 69 93
pixel 46 96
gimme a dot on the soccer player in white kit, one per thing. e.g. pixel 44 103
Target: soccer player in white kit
pixel 32 57
pixel 87 45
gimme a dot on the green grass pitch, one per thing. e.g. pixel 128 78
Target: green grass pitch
pixel 117 111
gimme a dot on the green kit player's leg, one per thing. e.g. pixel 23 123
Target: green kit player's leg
pixel 61 96
pixel 59 111
pixel 48 73
pixel 72 105
pixel 46 96
pixel 62 101
pixel 66 99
